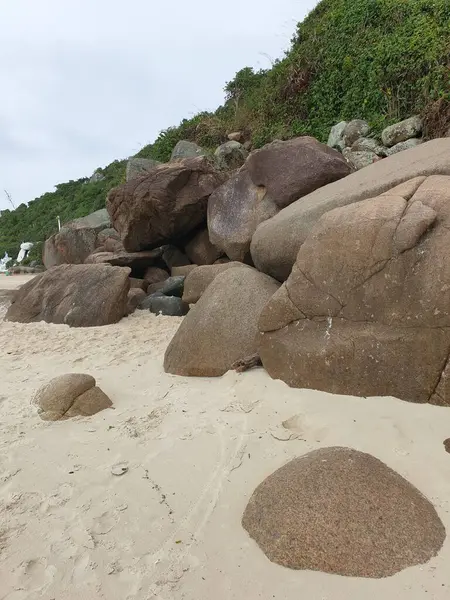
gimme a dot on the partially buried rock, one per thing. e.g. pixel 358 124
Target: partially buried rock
pixel 344 512
pixel 170 306
pixel 222 326
pixel 173 286
pixel 71 395
pixel 75 295
pixel 447 445
pixel 135 297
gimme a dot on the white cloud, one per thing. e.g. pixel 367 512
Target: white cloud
pixel 85 82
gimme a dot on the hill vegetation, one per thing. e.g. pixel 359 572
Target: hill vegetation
pixel 380 60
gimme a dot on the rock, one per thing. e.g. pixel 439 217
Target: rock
pixel 200 250
pixel 235 210
pixel 75 295
pixel 95 177
pixel 341 511
pixel 447 445
pixel 222 327
pixel 400 132
pixel 75 241
pixel 369 145
pixel 138 283
pixel 170 201
pixel 173 257
pixel 173 286
pixel 223 260
pixel 138 262
pixel 235 136
pixel 336 137
pixel 184 271
pixel 135 297
pixel 185 149
pixel 359 160
pixel 401 146
pixel 353 130
pixel 170 306
pixel 365 309
pixel 138 167
pixel 155 288
pixel 71 395
pixel 289 170
pixel 276 242
pixel 248 146
pixel 230 155
pixel 109 240
pixel 199 279
pixel 155 275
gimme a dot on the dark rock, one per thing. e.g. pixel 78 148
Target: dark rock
pixel 173 286
pixel 222 326
pixel 341 511
pixel 155 275
pixel 137 261
pixel 75 295
pixel 170 306
pixel 173 257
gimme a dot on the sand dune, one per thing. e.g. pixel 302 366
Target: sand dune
pixel 195 449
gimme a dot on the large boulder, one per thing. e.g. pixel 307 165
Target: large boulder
pixel 341 511
pixel 276 242
pixel 185 149
pixel 365 309
pixel 71 395
pixel 75 240
pixel 222 327
pixel 235 210
pixel 200 250
pixel 400 132
pixel 75 295
pixel 167 203
pixel 230 155
pixel 139 167
pixel 292 169
pixel 201 277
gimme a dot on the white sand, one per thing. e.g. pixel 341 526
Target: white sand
pixel 195 449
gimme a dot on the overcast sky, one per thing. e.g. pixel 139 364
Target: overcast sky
pixel 84 82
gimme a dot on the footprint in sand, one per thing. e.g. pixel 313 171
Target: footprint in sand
pixel 104 524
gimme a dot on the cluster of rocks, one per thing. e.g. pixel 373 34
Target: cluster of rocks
pixel 336 278
pixel 353 139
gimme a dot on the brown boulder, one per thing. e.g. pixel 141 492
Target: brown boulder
pixel 341 511
pixel 71 395
pixel 168 202
pixel 109 240
pixel 292 169
pixel 184 271
pixel 222 326
pixel 75 295
pixel 365 309
pixel 235 210
pixel 276 242
pixel 200 278
pixel 200 250
pixel 75 240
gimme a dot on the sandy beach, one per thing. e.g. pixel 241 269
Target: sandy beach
pixel 195 449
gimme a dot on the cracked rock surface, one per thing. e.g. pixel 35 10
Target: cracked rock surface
pixel 366 309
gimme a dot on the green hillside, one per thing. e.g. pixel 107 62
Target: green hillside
pixel 380 60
